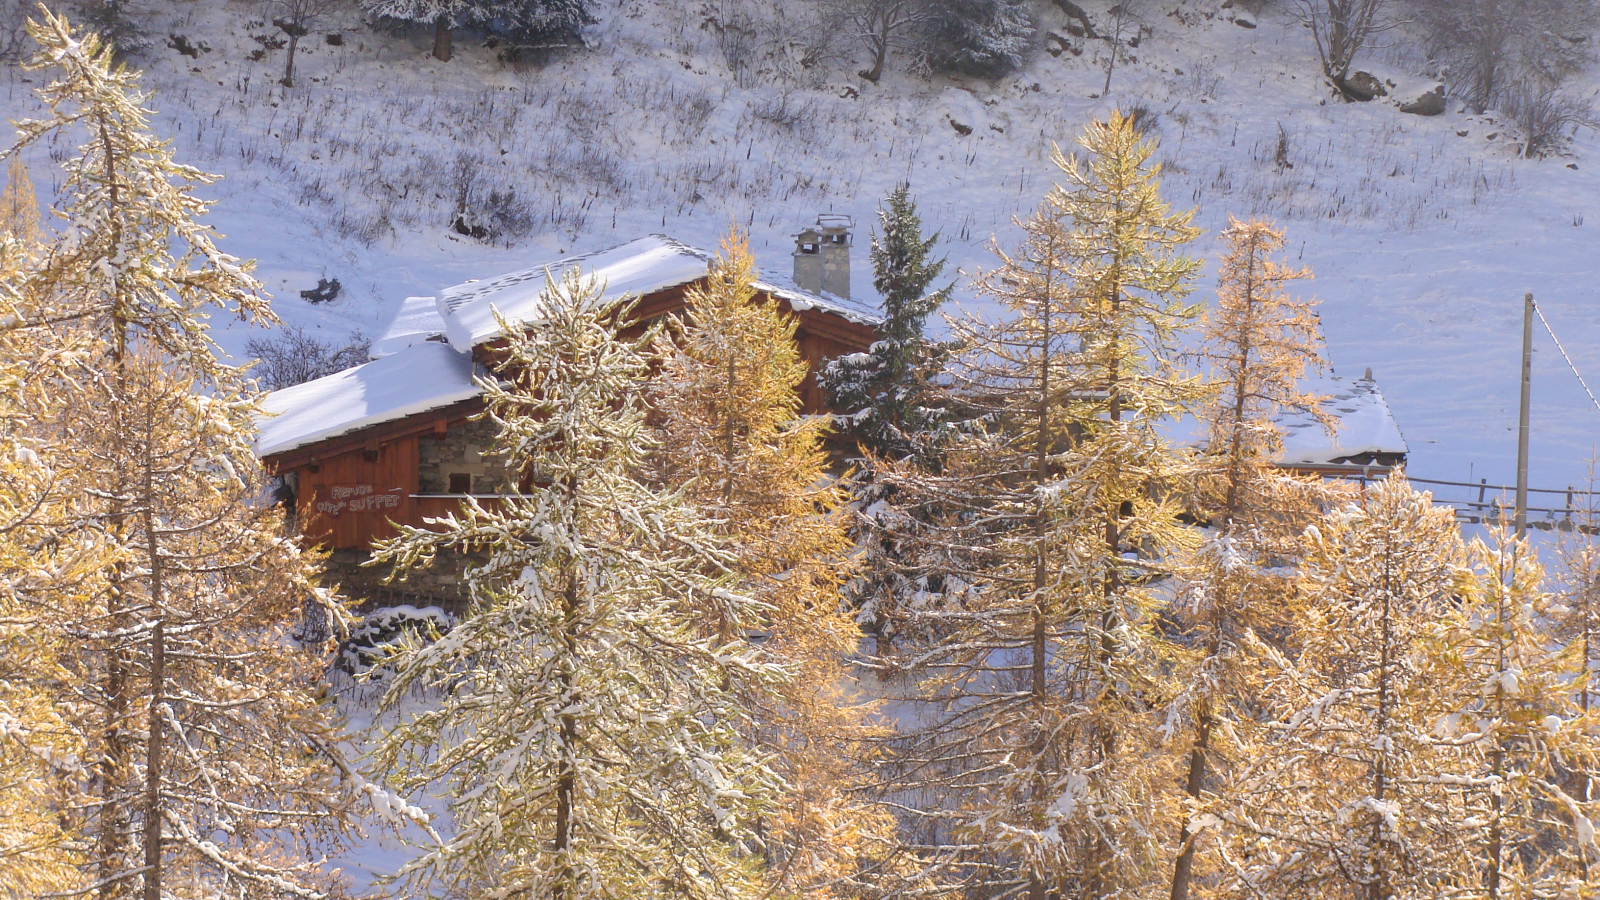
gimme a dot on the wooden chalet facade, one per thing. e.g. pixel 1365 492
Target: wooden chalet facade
pixel 393 442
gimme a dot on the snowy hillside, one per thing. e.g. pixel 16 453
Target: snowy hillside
pixel 1424 232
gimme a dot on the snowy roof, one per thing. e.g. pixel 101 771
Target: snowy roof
pixel 638 267
pixel 412 380
pixel 416 321
pixel 853 310
pixel 1364 423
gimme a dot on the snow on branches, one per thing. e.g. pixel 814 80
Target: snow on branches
pixel 591 739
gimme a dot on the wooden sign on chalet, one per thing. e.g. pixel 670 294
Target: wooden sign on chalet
pixel 391 441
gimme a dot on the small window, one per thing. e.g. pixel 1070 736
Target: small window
pixel 460 483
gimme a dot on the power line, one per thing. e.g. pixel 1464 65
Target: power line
pixel 1566 356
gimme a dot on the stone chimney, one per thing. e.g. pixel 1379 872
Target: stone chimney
pixel 822 257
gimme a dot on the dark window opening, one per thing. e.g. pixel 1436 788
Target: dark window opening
pixel 460 483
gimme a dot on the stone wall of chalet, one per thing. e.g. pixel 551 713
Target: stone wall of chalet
pixel 441 584
pixel 461 451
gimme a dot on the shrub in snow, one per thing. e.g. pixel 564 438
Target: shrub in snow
pixel 14 28
pixel 983 38
pixel 384 632
pixel 296 19
pixel 483 213
pixel 293 356
pixel 882 26
pixel 1492 50
pixel 1340 29
pixel 1546 114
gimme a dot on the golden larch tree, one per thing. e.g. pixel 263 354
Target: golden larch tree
pixel 732 438
pixel 1036 766
pixel 39 751
pixel 19 209
pixel 1528 747
pixel 1346 795
pixel 209 766
pixel 1257 342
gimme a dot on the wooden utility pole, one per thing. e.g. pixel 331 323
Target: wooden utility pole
pixel 1522 417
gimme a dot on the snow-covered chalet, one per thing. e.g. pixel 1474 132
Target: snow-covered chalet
pixel 1365 442
pixel 393 441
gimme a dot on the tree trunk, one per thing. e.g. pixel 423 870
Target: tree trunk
pixel 153 764
pixel 158 674
pixel 1498 758
pixel 288 69
pixel 567 777
pixel 1103 853
pixel 1041 529
pixel 112 766
pixel 441 38
pixel 113 837
pixel 1378 888
pixel 1115 38
pixel 1076 12
pixel 1183 871
pixel 880 56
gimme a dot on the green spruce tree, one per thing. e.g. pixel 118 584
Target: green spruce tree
pixel 889 402
pixel 886 399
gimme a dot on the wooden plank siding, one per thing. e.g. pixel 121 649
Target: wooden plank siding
pixel 391 467
pixel 385 456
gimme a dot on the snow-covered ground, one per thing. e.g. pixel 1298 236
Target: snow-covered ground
pixel 1424 233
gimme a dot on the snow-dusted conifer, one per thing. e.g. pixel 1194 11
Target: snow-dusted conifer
pixel 444 15
pixel 133 258
pixel 19 209
pixel 209 761
pixel 1042 729
pixel 1348 796
pixel 887 400
pixel 537 24
pixel 1530 749
pixel 38 748
pixel 528 23
pixel 731 437
pixel 591 739
pixel 1258 342
pixel 986 38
